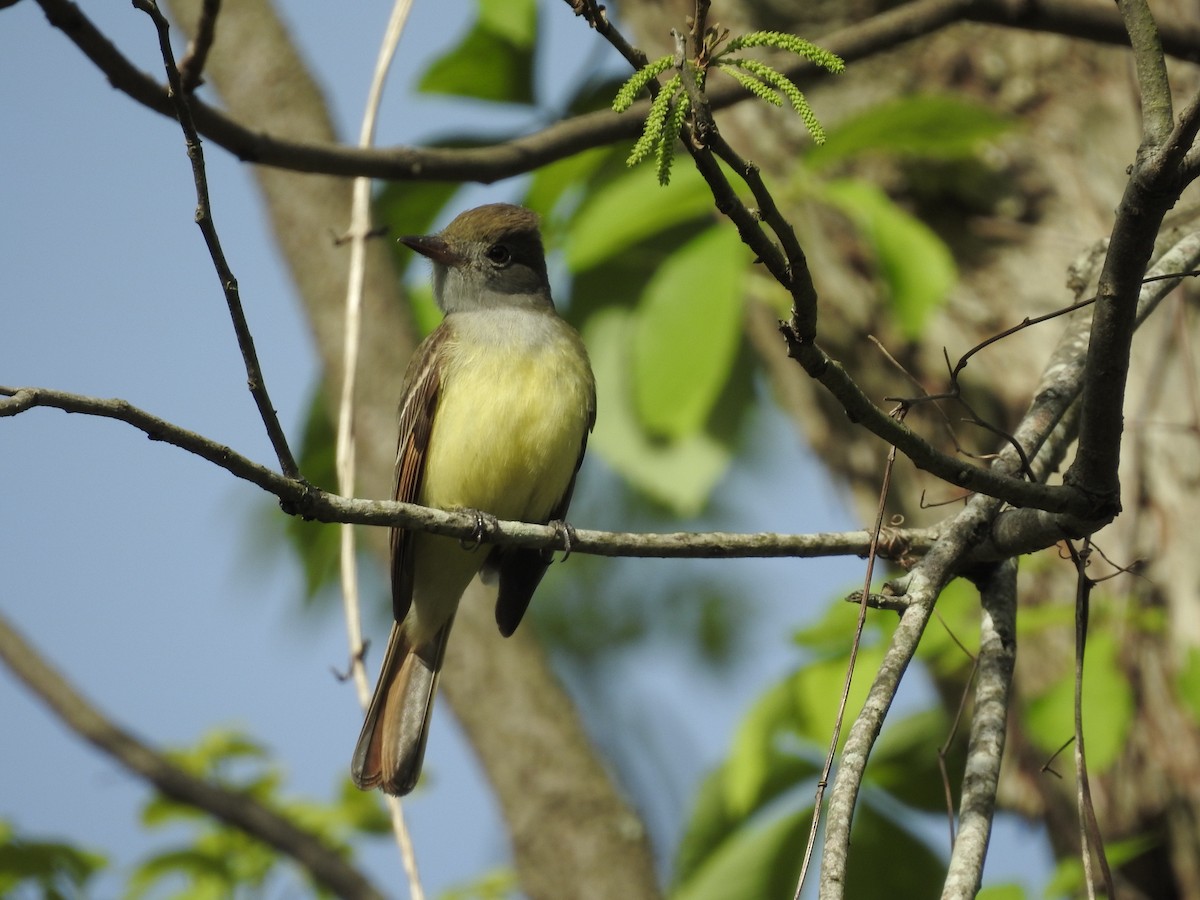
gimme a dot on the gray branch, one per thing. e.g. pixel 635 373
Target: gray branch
pixel 997 656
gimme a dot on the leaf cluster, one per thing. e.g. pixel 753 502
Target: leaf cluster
pixel 672 104
pixel 218 860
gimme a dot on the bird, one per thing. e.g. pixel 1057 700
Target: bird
pixel 497 405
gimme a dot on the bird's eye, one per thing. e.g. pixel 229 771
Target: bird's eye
pixel 499 254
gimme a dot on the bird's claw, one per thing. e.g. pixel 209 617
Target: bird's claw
pixel 567 532
pixel 485 523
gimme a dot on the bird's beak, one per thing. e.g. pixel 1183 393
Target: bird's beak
pixel 434 247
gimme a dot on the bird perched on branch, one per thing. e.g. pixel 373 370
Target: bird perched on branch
pixel 495 413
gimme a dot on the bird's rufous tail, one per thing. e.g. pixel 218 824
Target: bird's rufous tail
pixel 392 742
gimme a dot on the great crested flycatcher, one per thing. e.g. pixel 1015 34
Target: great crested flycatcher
pixel 497 405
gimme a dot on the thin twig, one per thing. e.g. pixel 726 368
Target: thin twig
pixel 868 575
pixel 944 750
pixel 345 450
pixel 1089 829
pixel 191 67
pixel 1027 322
pixel 236 808
pixel 254 376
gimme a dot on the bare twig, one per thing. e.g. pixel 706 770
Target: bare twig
pixel 925 583
pixel 944 750
pixel 191 67
pixel 345 451
pixel 1090 837
pixel 1154 88
pixel 254 375
pixel 868 575
pixel 236 808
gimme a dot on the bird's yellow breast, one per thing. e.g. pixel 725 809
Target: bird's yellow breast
pixel 512 414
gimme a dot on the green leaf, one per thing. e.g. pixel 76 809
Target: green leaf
pixel 494 60
pixel 756 861
pixel 315 544
pixel 1068 874
pixel 679 474
pixel 1107 706
pixel 888 861
pixel 205 873
pixel 551 183
pixel 689 325
pixel 629 210
pixel 905 761
pixel 760 756
pixel 1187 683
pixel 495 884
pixel 955 627
pixel 914 263
pixel 933 126
pixel 49 868
pixel 1002 892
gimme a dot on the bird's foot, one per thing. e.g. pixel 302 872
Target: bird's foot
pixel 485 524
pixel 567 532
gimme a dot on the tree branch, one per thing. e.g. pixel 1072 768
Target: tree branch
pixel 926 582
pixel 1154 88
pixel 323 863
pixel 1073 18
pixel 1153 188
pixel 204 218
pixel 313 503
pixel 1018 531
pixel 989 722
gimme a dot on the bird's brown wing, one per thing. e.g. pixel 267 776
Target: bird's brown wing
pixel 422 384
pixel 521 568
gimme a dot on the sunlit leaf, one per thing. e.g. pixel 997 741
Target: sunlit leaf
pixel 752 769
pixel 1067 880
pixel 1107 706
pixel 47 868
pixel 316 544
pixel 935 126
pixel 913 263
pixel 206 874
pixel 688 329
pixel 629 209
pixel 1187 683
pixel 951 640
pixel 496 884
pixel 494 60
pixel 551 182
pixel 756 861
pixel 1002 892
pixel 679 474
